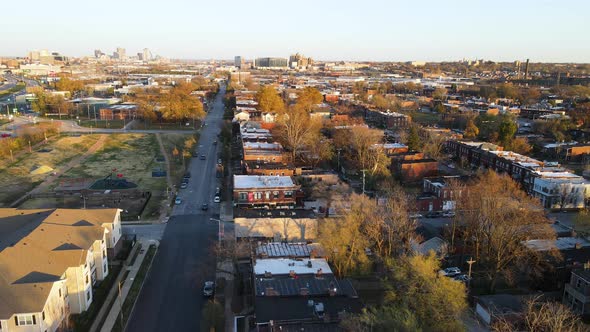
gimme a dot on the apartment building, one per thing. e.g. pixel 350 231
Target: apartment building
pixel 49 261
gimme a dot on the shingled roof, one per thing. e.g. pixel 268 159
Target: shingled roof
pixel 36 249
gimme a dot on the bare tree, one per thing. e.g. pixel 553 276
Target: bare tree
pixel 539 315
pixel 498 216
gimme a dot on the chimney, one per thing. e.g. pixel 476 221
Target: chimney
pixel 309 264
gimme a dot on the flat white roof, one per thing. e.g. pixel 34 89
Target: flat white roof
pixel 278 266
pixel 261 181
pixel 560 243
pixel 262 146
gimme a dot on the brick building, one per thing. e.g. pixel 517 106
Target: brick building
pixel 257 191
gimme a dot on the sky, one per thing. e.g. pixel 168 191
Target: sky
pixel 370 30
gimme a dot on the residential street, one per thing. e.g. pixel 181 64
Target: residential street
pixel 171 298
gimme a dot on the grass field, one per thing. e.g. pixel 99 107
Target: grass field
pixel 133 155
pixel 16 177
pixel 112 124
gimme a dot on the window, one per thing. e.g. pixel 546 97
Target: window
pixel 288 194
pixel 275 194
pixel 86 278
pixel 243 196
pixel 105 268
pixel 257 195
pixel 25 320
pixel 267 194
pixel 88 295
pixel 59 291
pixel 43 315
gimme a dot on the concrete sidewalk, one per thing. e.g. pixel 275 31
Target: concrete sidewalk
pixel 113 315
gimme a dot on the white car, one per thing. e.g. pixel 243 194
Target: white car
pixel 216 199
pixel 450 272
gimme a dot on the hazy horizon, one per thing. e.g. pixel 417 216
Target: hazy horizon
pixel 432 31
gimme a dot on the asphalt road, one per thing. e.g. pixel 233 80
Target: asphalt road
pixel 171 298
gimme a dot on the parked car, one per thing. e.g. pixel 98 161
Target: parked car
pixel 216 199
pixel 187 175
pixel 178 200
pixel 416 215
pixel 462 278
pixel 184 185
pixel 203 157
pixel 448 214
pixel 208 288
pixel 205 207
pixel 214 142
pixel 433 214
pixel 450 272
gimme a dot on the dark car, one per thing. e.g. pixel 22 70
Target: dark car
pixel 433 214
pixel 205 207
pixel 208 288
pixel 202 157
pixel 187 175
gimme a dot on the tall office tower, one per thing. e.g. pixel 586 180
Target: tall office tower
pixel 120 54
pixel 98 53
pixel 147 54
pixel 34 55
pixel 238 61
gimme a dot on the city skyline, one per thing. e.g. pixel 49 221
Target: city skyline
pixel 546 31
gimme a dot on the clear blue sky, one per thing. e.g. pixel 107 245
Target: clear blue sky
pixel 431 30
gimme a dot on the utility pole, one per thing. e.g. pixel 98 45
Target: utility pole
pixel 364 170
pixel 339 159
pixel 470 262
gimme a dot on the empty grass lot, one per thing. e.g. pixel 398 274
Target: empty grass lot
pixel 16 177
pixel 133 155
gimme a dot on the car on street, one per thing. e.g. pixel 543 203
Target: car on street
pixel 208 288
pixel 205 207
pixel 178 200
pixel 219 161
pixel 184 185
pixel 216 199
pixel 448 214
pixel 450 272
pixel 462 278
pixel 214 142
pixel 203 157
pixel 433 214
pixel 187 175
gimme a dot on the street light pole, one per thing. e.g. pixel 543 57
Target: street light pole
pixel 470 262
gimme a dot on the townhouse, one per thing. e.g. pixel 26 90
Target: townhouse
pixel 259 191
pixel 555 186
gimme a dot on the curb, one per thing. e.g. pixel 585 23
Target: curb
pixel 141 288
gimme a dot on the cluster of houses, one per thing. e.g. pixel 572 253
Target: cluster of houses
pixel 293 285
pixel 50 261
pixel 555 186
